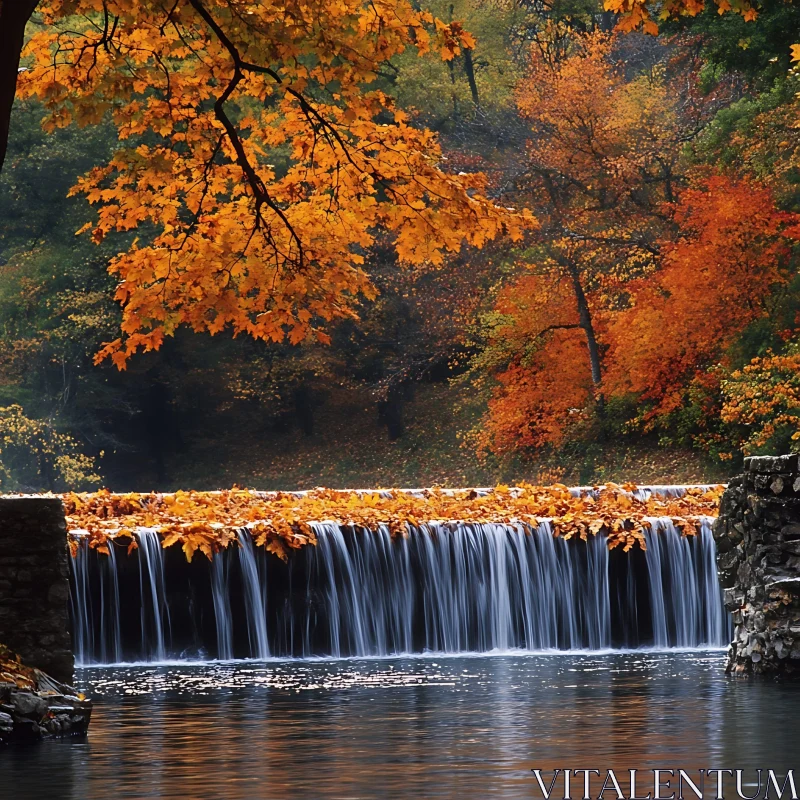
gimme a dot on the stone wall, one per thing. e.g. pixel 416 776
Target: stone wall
pixel 34 583
pixel 758 554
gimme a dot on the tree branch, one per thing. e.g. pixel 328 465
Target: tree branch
pixel 556 328
pixel 257 185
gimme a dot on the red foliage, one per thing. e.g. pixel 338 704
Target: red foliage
pixel 716 279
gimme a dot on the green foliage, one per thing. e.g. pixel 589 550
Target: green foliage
pixel 758 49
pixel 56 305
pixel 724 142
pixel 39 171
pixel 479 116
pixel 440 91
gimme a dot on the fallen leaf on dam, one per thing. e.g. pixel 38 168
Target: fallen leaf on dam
pixel 282 521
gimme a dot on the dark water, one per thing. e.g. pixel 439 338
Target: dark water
pixel 453 727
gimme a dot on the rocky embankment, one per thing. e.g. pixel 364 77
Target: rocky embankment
pixel 33 705
pixel 758 555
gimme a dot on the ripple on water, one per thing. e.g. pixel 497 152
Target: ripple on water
pixel 202 678
pixel 461 727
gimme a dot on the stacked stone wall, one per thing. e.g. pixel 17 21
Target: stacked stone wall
pixel 34 584
pixel 758 554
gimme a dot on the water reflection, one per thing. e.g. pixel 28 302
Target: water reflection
pixel 465 727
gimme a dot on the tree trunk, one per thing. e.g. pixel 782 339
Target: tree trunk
pixel 14 16
pixel 585 317
pixel 304 409
pixel 390 412
pixel 469 68
pixel 452 70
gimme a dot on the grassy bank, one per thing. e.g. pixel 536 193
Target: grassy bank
pixel 350 448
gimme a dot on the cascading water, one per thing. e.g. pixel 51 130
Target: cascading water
pixel 222 608
pixel 81 605
pixel 683 587
pixel 254 597
pixel 96 621
pixel 152 585
pixel 445 588
pixel 111 632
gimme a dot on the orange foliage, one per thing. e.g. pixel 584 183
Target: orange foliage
pixel 262 155
pixel 600 142
pixel 280 521
pixel 639 14
pixel 715 280
pixel 602 160
pixel 547 384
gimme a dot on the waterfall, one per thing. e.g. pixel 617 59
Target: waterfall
pixel 443 588
pixel 254 599
pixel 468 587
pixel 718 627
pixel 111 632
pixel 683 586
pixel 80 605
pixel 222 608
pixel 155 618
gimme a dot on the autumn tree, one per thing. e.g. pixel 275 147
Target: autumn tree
pixel 673 344
pixel 36 455
pixel 262 154
pixel 602 157
pixel 602 160
pixel 14 16
pixel 761 401
pixel 744 401
pixel 535 356
pixel 728 268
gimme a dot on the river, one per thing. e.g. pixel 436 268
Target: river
pixel 440 727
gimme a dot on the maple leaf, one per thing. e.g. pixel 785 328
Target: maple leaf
pixel 291 517
pixel 240 246
pixel 636 14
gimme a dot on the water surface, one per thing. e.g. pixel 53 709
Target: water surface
pixel 440 727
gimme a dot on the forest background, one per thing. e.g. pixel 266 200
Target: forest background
pixel 643 328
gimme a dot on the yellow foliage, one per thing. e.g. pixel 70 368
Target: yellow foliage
pixel 56 456
pixel 13 671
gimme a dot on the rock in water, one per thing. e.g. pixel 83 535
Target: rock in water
pixel 33 705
